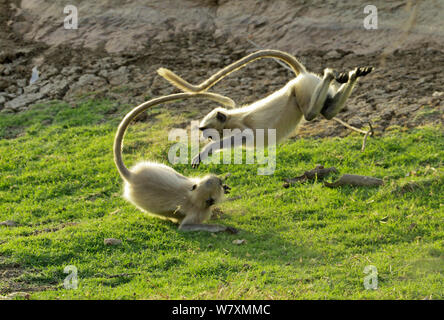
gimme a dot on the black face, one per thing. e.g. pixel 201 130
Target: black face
pixel 221 117
pixel 206 135
pixel 210 202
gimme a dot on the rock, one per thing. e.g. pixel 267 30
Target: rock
pixel 103 73
pixel 220 36
pixel 4 83
pixel 23 101
pixel 21 83
pixel 71 70
pixel 119 76
pixel 55 89
pixel 333 54
pixel 112 242
pixel 387 114
pixel 87 79
pixel 7 70
pixel 165 36
pixel 34 87
pixel 355 122
pixel 394 86
pixel 8 223
pixel 86 83
pixel 12 89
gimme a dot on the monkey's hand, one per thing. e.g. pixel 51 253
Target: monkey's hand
pixel 363 71
pixel 343 77
pixel 205 153
pixel 196 161
pixel 199 158
pixel 359 72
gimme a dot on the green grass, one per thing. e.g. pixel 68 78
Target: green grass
pixel 59 183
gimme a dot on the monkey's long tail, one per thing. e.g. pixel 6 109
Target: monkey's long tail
pixel 118 141
pixel 182 84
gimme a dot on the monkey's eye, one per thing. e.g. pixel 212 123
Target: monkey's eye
pixel 194 187
pixel 210 202
pixel 221 117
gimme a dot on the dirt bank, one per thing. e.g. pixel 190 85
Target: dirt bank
pixel 118 46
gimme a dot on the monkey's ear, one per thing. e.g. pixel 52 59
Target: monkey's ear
pixel 194 187
pixel 221 117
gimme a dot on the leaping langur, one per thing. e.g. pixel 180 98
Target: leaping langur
pixel 306 95
pixel 162 191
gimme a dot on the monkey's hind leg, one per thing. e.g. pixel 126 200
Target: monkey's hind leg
pixel 319 95
pixel 207 227
pixel 337 103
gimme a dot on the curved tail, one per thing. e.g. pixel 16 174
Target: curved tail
pixel 182 84
pixel 118 140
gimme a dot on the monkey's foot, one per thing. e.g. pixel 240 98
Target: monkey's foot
pixel 363 71
pixel 196 161
pixel 341 77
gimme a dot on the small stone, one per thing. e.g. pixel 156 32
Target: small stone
pixel 239 241
pixel 355 122
pixel 21 83
pixel 119 76
pixel 23 101
pixel 4 84
pixel 112 242
pixel 333 54
pixel 8 223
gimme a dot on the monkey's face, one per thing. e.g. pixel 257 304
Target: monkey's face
pixel 209 191
pixel 213 124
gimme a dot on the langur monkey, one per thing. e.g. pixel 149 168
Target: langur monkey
pixel 162 191
pixel 307 95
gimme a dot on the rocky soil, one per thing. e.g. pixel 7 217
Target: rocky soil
pixel 119 45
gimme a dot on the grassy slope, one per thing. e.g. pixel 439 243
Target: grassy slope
pixel 307 241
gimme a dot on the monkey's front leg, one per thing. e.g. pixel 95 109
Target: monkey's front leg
pixel 337 103
pixel 207 227
pixel 236 140
pixel 319 95
pixel 205 153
